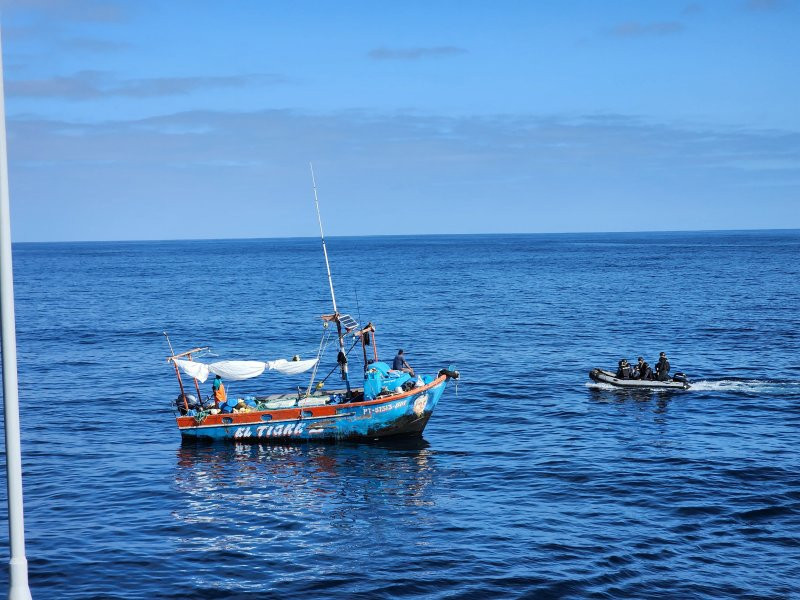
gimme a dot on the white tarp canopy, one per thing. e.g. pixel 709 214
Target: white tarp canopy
pixel 236 370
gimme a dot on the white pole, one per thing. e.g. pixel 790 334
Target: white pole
pixel 342 353
pixel 322 235
pixel 18 564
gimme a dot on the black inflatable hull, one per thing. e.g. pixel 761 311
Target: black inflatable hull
pixel 601 376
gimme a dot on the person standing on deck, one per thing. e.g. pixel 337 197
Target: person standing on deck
pixel 218 391
pixel 400 364
pixel 662 368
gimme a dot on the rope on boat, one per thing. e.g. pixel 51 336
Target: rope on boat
pixel 323 345
pixel 450 374
pixel 337 364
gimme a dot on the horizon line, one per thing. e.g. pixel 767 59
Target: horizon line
pixel 400 235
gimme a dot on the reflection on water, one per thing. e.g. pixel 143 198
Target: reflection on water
pixel 235 497
pixel 611 394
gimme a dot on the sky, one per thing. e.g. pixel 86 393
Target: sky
pixel 197 119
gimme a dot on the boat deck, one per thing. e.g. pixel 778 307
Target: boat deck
pixel 290 399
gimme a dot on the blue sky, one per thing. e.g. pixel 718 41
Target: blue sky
pixel 164 120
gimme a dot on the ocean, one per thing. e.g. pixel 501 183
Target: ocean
pixel 529 481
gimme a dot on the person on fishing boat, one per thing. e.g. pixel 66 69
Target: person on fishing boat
pixel 662 368
pixel 400 364
pixel 218 390
pixel 624 369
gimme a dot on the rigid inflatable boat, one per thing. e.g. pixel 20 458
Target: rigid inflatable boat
pixel 677 382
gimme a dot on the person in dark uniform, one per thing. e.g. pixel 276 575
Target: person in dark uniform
pixel 637 368
pixel 624 369
pixel 645 372
pixel 662 368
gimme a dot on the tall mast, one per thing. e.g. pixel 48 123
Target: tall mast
pixel 322 236
pixel 342 357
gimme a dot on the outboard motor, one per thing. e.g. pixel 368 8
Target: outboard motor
pixel 680 377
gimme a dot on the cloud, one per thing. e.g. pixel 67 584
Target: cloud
pixel 133 179
pixel 94 45
pixel 636 29
pixel 764 5
pixel 87 85
pixel 414 53
pixel 693 8
pixel 278 136
pixel 88 11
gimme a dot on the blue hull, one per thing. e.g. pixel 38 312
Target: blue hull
pixel 402 414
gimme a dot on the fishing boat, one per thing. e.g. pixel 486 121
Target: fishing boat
pixel 388 402
pixel 678 381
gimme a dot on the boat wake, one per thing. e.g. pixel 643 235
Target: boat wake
pixel 741 386
pixel 748 386
pixel 597 385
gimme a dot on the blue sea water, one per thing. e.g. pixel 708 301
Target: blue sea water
pixel 528 483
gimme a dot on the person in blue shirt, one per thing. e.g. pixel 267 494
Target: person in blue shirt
pixel 400 364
